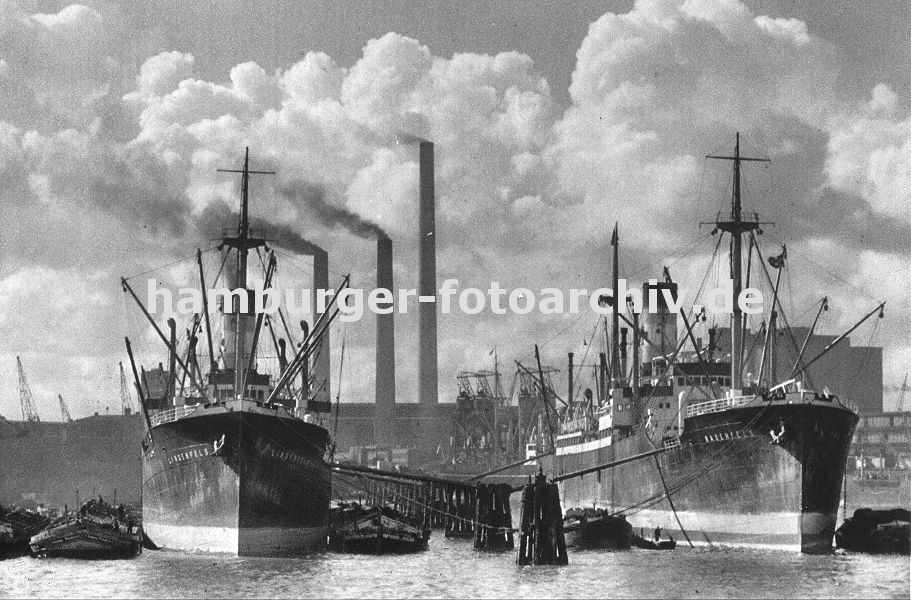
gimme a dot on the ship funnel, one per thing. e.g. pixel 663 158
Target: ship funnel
pixel 427 280
pixel 660 326
pixel 385 349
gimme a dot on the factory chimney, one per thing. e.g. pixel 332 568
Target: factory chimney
pixel 385 350
pixel 427 280
pixel 321 389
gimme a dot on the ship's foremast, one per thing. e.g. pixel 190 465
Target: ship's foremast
pixel 242 243
pixel 736 226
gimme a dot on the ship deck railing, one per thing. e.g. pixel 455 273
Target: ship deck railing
pixel 578 425
pixel 172 414
pixel 713 406
pixel 789 392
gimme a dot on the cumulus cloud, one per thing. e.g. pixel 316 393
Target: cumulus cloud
pixel 61 62
pixel 527 190
pixel 870 155
pixel 161 73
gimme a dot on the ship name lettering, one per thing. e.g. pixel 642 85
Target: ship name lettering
pixel 288 456
pixel 187 455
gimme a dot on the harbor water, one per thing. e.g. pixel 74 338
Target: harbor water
pixel 454 568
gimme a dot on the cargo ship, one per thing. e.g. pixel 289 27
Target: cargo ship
pixel 237 463
pixel 695 444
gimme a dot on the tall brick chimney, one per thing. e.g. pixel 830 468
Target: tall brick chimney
pixel 427 280
pixel 385 350
pixel 321 370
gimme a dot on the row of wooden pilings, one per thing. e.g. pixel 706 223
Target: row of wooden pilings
pixel 406 497
pixel 481 511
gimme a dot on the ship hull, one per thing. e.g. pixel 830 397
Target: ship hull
pixel 730 481
pixel 239 483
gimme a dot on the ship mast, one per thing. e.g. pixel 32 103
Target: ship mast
pixel 242 243
pixel 737 227
pixel 617 374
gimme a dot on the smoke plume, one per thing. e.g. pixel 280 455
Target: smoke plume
pixel 408 138
pixel 312 199
pixel 218 216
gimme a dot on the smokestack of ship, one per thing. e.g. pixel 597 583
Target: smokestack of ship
pixel 385 349
pixel 321 387
pixel 427 280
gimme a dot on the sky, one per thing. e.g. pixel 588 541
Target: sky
pixel 552 121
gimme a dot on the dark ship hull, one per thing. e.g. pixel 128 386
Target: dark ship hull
pixel 244 480
pixel 730 481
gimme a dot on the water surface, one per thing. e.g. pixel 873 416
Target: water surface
pixel 454 568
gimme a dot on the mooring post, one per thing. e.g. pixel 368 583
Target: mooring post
pixel 451 510
pixel 445 506
pixel 460 516
pixel 439 502
pixel 482 514
pixel 541 539
pixel 503 494
pixel 471 493
pixel 493 518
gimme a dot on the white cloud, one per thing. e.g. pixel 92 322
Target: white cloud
pixel 525 194
pixel 869 155
pixel 161 73
pixel 62 58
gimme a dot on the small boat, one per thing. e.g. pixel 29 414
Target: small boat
pixel 640 541
pixel 375 530
pixel 17 526
pixel 876 532
pixel 596 528
pixel 96 530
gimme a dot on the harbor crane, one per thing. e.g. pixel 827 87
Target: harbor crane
pixel 64 410
pixel 126 401
pixel 29 412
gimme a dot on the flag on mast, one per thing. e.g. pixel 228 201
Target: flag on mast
pixel 778 261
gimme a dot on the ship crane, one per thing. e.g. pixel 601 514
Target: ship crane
pixel 29 412
pixel 126 402
pixel 64 410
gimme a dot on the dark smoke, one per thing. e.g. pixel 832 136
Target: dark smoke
pixel 312 198
pixel 285 237
pixel 218 216
pixel 408 138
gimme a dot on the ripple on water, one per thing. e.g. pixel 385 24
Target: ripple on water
pixel 453 568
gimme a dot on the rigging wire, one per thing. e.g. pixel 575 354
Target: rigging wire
pixel 585 356
pixel 830 272
pixel 713 461
pixel 677 257
pixel 170 264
